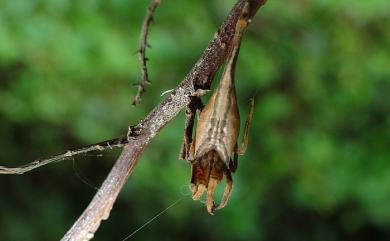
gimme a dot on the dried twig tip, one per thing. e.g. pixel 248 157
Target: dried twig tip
pixel 142 50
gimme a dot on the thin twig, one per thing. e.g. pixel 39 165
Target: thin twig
pixel 118 142
pixel 142 51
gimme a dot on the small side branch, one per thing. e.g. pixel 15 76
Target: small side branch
pixel 142 51
pixel 101 146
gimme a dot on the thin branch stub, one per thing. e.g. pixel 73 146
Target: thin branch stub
pixel 142 51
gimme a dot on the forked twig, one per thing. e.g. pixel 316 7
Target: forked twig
pixel 142 51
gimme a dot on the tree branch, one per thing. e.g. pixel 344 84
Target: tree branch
pixel 198 79
pixel 142 51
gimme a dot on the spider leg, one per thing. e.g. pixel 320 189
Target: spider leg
pixel 228 189
pixel 193 108
pixel 233 163
pixel 216 176
pixel 242 149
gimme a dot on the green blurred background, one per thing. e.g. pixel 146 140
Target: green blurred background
pixel 318 164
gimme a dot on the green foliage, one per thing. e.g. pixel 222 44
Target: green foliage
pixel 317 167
